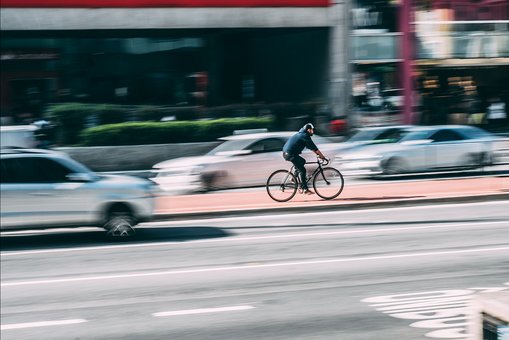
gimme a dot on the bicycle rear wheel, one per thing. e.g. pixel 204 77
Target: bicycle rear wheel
pixel 328 183
pixel 281 185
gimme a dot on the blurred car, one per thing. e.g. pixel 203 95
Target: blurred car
pixel 241 160
pixel 46 189
pixel 423 149
pixel 246 160
pixel 375 135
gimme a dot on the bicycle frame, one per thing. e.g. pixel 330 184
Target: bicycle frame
pixel 317 170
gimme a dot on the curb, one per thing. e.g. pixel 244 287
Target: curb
pixel 331 207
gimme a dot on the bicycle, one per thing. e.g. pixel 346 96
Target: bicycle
pixel 327 182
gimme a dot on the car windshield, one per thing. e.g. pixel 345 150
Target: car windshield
pixel 231 145
pixel 416 135
pixel 363 135
pixel 377 134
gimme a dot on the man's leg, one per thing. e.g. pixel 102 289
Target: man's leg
pixel 299 162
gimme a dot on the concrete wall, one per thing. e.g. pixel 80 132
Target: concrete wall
pixel 133 157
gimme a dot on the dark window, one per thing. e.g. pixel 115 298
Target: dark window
pixel 267 145
pixel 8 171
pixel 446 136
pixel 33 170
pixel 391 134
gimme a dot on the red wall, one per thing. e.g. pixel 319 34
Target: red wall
pixel 162 3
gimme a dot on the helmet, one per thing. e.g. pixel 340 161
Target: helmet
pixel 309 126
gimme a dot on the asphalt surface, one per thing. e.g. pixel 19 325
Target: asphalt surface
pixel 392 273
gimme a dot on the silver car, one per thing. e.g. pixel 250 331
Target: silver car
pixel 242 160
pixel 424 149
pixel 45 189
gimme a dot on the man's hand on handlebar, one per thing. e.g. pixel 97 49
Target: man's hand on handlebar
pixel 323 161
pixel 320 154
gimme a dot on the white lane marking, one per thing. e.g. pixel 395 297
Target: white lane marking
pixel 433 309
pixel 203 311
pixel 247 267
pixel 249 238
pixel 42 324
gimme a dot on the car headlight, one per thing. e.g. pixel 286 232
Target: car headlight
pixel 183 171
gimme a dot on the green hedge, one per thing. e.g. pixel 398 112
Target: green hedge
pixel 72 118
pixel 137 133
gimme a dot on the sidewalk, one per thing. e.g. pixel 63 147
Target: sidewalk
pixel 353 197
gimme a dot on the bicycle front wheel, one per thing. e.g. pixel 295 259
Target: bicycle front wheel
pixel 328 183
pixel 281 185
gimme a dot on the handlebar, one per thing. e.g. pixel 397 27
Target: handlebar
pixel 320 161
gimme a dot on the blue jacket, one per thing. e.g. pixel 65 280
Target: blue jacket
pixel 298 142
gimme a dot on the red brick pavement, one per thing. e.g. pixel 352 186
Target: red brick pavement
pixel 236 201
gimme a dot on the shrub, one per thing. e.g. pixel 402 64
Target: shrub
pixel 136 133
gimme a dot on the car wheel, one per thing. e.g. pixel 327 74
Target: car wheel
pixel 478 160
pixel 486 159
pixel 394 166
pixel 207 181
pixel 213 181
pixel 120 224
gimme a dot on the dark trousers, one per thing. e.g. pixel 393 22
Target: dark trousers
pixel 299 163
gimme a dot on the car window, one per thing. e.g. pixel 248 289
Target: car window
pixel 445 136
pixel 267 145
pixel 473 132
pixel 392 135
pixel 8 171
pixel 364 135
pixel 230 145
pixel 32 170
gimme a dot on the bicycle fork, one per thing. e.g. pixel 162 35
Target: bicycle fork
pixel 323 176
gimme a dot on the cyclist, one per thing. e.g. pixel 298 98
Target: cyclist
pixel 293 148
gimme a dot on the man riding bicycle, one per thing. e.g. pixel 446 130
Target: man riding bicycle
pixel 293 148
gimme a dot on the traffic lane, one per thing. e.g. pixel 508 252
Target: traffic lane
pixel 272 238
pixel 264 247
pixel 211 283
pixel 322 300
pixel 206 228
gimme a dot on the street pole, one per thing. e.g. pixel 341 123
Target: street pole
pixel 339 60
pixel 407 48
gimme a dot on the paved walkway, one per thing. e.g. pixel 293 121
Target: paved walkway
pixel 355 196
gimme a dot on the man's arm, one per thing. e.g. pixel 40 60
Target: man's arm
pixel 319 154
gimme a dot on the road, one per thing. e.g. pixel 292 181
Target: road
pixel 397 273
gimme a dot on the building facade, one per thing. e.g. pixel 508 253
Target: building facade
pixel 172 52
pixel 374 61
pixel 462 59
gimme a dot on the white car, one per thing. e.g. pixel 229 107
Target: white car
pixel 242 160
pixel 47 189
pixel 424 149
